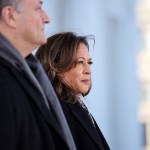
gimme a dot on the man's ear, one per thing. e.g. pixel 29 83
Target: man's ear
pixel 8 15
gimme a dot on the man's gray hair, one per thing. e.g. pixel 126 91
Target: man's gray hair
pixel 13 3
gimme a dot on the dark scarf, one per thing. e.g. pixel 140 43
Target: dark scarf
pixel 40 80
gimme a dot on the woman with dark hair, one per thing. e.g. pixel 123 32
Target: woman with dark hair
pixel 66 60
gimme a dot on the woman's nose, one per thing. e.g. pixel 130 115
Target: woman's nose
pixel 87 69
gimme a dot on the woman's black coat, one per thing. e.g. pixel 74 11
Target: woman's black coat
pixel 86 136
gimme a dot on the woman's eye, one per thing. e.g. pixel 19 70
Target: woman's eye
pixel 90 63
pixel 39 8
pixel 80 62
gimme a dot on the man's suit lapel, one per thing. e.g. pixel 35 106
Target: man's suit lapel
pixel 38 100
pixel 84 120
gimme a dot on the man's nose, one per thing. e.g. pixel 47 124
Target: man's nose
pixel 46 19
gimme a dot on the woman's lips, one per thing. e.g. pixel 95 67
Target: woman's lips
pixel 86 81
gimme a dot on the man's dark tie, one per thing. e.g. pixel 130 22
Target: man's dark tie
pixel 51 98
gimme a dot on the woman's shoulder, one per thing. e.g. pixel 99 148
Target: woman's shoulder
pixel 69 106
pixel 64 104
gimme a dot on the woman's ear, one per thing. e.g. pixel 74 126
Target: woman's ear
pixel 8 16
pixel 61 75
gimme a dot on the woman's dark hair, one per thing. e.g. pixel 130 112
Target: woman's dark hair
pixel 58 56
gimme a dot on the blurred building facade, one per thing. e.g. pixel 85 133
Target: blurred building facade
pixel 143 16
